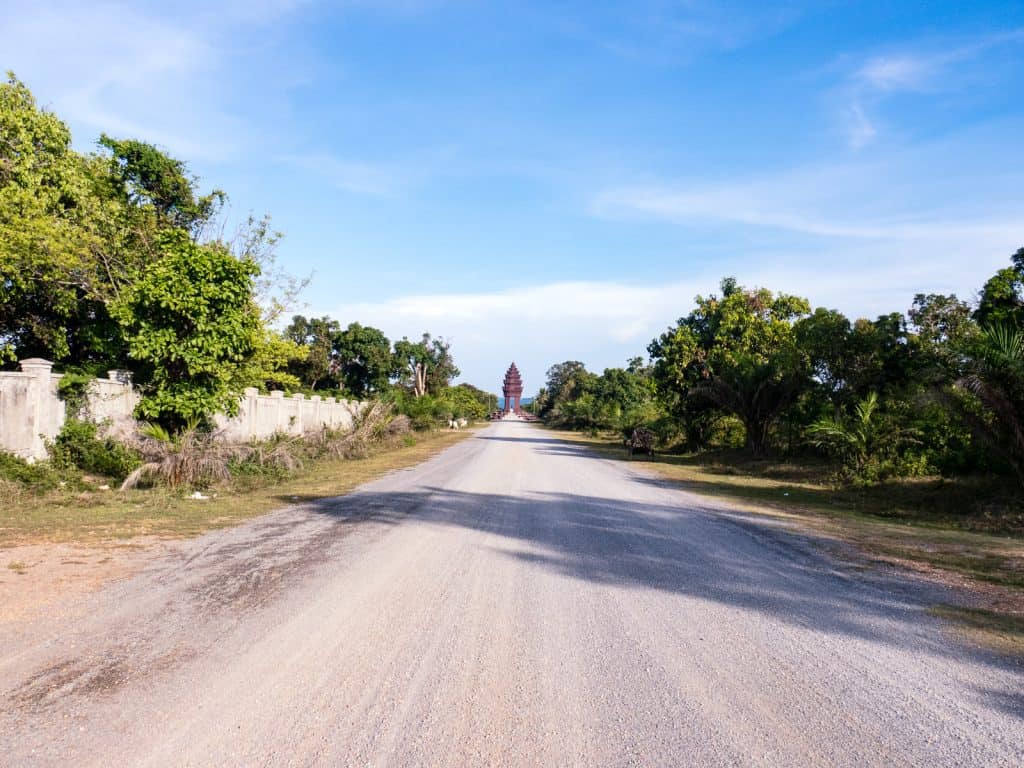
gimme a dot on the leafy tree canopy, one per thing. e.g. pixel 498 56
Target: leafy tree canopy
pixel 191 325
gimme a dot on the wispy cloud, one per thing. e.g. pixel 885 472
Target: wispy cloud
pixel 162 73
pixel 666 34
pixel 388 178
pixel 802 202
pixel 921 70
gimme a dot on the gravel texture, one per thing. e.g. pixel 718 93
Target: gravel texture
pixel 513 601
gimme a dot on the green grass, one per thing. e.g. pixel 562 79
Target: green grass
pixel 90 515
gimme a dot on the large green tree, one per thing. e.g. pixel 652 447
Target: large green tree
pixel 46 244
pixel 192 326
pixel 739 354
pixel 365 360
pixel 147 177
pixel 1002 298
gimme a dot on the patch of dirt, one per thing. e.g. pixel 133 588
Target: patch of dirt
pixel 35 578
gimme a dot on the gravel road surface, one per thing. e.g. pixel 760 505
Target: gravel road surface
pixel 513 601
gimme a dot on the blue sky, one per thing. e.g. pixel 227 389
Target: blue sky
pixel 549 181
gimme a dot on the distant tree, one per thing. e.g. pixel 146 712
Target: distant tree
pixel 1002 299
pixel 466 401
pixel 319 365
pixel 426 366
pixel 566 382
pixel 364 357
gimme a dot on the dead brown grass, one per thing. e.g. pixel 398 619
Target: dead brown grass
pixel 96 515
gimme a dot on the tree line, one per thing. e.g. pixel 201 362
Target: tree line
pixel 936 390
pixel 115 258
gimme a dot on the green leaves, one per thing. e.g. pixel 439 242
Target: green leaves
pixel 737 354
pixel 191 325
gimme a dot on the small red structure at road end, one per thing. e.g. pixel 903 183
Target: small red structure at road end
pixel 512 389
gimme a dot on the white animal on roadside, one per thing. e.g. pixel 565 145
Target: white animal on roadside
pixel 453 424
pixel 462 423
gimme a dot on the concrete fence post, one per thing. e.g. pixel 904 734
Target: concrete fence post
pixel 38 392
pixel 247 411
pixel 278 400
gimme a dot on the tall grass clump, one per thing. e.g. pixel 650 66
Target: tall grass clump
pixel 198 459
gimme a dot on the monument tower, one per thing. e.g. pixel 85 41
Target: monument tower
pixel 512 389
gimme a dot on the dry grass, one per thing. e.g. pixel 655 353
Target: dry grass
pixel 96 515
pixel 999 631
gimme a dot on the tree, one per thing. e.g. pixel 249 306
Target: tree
pixel 995 376
pixel 737 353
pixel 824 337
pixel 147 176
pixel 45 244
pixel 426 366
pixel 1002 299
pixel 860 441
pixel 364 357
pixel 319 364
pixel 565 383
pixel 192 329
pixel 466 401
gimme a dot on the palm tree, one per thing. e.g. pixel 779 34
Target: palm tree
pixel 860 439
pixel 995 376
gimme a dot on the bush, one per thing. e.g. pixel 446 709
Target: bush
pixel 79 446
pixel 424 412
pixel 37 477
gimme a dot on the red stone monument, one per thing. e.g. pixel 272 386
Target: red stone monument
pixel 512 389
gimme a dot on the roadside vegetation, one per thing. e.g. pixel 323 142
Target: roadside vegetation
pixel 116 259
pixel 935 394
pixel 903 435
pixel 84 511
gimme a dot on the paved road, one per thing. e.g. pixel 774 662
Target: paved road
pixel 513 601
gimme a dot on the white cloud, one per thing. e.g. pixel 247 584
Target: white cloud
pixel 899 72
pixel 797 203
pixel 168 74
pixel 904 71
pixel 604 323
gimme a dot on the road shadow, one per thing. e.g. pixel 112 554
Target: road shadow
pixel 696 551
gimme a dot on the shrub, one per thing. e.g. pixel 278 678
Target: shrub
pixel 79 446
pixel 193 458
pixel 37 477
pixel 424 412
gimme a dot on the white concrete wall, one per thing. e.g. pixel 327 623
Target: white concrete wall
pixel 31 411
pixel 260 416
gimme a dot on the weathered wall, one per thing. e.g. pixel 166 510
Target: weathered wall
pixel 31 411
pixel 264 415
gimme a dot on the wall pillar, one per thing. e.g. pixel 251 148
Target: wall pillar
pixel 38 390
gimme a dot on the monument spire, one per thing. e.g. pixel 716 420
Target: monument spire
pixel 512 389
